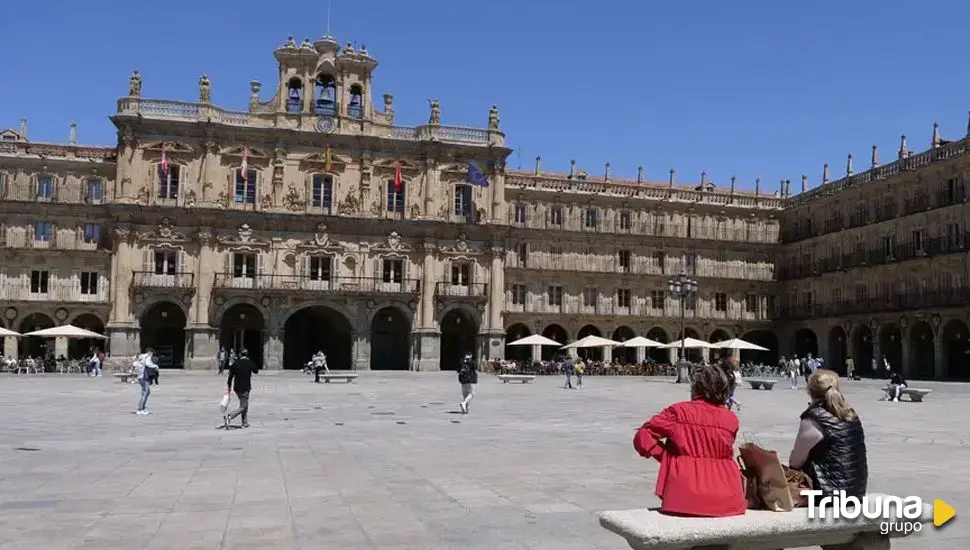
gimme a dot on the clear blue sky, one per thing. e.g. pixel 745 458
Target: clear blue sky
pixel 752 88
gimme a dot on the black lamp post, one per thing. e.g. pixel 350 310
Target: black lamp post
pixel 682 287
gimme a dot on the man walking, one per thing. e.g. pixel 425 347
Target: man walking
pixel 240 381
pixel 467 377
pixel 145 367
pixel 319 361
pixel 223 359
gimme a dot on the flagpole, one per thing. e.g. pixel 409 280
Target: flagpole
pixel 328 17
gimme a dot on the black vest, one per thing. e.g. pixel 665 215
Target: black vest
pixel 838 462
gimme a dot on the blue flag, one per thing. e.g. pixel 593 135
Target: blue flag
pixel 476 177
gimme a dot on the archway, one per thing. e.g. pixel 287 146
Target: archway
pixel 241 328
pixel 317 328
pixel 694 355
pixel 589 354
pixel 458 333
pixel 805 343
pixel 557 333
pixel 658 355
pixel 81 348
pixel 515 332
pixel 765 339
pixel 32 346
pixel 163 330
pixel 891 346
pixel 838 350
pixel 624 356
pixel 719 335
pixel 956 350
pixel 390 340
pixel 922 356
pixel 862 353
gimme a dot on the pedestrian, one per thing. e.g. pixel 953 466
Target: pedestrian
pixel 579 368
pixel 850 369
pixel 223 359
pixel 793 372
pixel 144 366
pixel 467 377
pixel 567 368
pixel 96 362
pixel 319 361
pixel 240 381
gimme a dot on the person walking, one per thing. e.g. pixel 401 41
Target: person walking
pixel 319 361
pixel 467 377
pixel 567 368
pixel 223 359
pixel 579 368
pixel 849 369
pixel 145 366
pixel 240 382
pixel 97 358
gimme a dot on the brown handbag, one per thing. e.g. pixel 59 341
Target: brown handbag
pixel 766 482
pixel 798 481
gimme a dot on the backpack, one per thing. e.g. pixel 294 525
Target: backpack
pixel 464 373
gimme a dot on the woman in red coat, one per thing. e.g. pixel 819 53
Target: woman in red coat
pixel 694 442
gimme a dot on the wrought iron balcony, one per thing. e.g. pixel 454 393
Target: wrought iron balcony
pixel 55 291
pixel 150 279
pixel 471 290
pixel 956 297
pixel 300 283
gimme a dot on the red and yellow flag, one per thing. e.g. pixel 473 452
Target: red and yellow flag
pixel 327 159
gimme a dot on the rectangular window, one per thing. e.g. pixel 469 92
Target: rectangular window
pixel 861 293
pixel 889 246
pixel 953 236
pixel 169 179
pixel 690 263
pixel 89 282
pixel 321 192
pixel 720 301
pixel 461 274
pixel 660 258
pixel 519 213
pixel 463 200
pixel 392 271
pixel 590 218
pixel 3 185
pixel 245 187
pixel 166 262
pixel 321 268
pixel 657 299
pixel 94 191
pixel 625 260
pixel 589 296
pixel 623 297
pixel 751 303
pixel 92 233
pixel 395 197
pixel 626 221
pixel 690 228
pixel 690 302
pixel 243 266
pixel 555 215
pixel 918 242
pixel 806 299
pixel 522 252
pixel 39 281
pixel 45 187
pixel 518 294
pixel 43 231
pixel 554 296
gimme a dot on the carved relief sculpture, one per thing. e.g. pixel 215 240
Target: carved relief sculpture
pixel 292 199
pixel 144 195
pixel 350 205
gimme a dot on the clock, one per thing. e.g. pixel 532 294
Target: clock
pixel 325 124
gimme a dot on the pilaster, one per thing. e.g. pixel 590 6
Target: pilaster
pixel 360 352
pixel 497 185
pixel 496 287
pixel 10 349
pixel 426 318
pixel 273 349
pixel 431 177
pixel 939 358
pixel 205 270
pixel 428 346
pixel 121 276
pixel 204 346
pixel 123 339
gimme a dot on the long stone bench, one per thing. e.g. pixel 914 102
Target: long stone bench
pixel 524 378
pixel 347 377
pixel 648 529
pixel 915 394
pixel 125 377
pixel 761 383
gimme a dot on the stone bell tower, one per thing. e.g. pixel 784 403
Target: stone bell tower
pixel 294 91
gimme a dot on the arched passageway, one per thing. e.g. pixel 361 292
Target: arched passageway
pixel 624 356
pixel 805 343
pixel 515 332
pixel 922 356
pixel 390 340
pixel 557 333
pixel 765 339
pixel 458 333
pixel 589 354
pixel 84 347
pixel 838 350
pixel 243 327
pixel 163 330
pixel 891 346
pixel 317 328
pixel 862 351
pixel 956 350
pixel 719 335
pixel 32 346
pixel 658 355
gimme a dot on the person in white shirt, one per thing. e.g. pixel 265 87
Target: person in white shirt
pixel 146 367
pixel 95 362
pixel 319 362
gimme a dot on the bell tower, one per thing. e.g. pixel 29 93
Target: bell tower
pixel 356 68
pixel 296 68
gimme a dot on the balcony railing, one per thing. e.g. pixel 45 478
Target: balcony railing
pixel 702 310
pixel 472 290
pixel 352 285
pixel 72 192
pixel 59 240
pixel 150 279
pixel 956 297
pixel 58 292
pixel 637 266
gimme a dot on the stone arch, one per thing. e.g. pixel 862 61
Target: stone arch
pixel 955 339
pixel 163 330
pixel 765 339
pixel 390 340
pixel 217 313
pixel 694 355
pixel 590 354
pixel 719 335
pixel 658 355
pixel 838 350
pixel 805 343
pixel 312 328
pixel 243 326
pixel 518 331
pixel 922 352
pixel 624 356
pixel 32 346
pixel 401 307
pixel 459 332
pixel 891 346
pixel 78 348
pixel 151 303
pixel 557 333
pixel 862 351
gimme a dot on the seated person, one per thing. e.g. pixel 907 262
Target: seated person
pixel 896 386
pixel 694 442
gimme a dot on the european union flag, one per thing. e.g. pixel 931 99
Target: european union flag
pixel 476 177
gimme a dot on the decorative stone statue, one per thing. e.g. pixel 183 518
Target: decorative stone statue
pixel 134 84
pixel 388 102
pixel 435 112
pixel 493 120
pixel 205 90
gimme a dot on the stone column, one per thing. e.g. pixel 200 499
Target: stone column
pixel 430 187
pixel 273 349
pixel 497 185
pixel 204 273
pixel 537 352
pixel 939 357
pixel 10 349
pixel 641 354
pixel 428 289
pixel 496 289
pixel 426 339
pixel 60 347
pixel 360 352
pixel 204 345
pixel 123 341
pixel 607 355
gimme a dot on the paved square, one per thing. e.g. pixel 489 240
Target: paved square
pixel 387 463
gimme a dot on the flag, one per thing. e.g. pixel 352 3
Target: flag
pixel 397 176
pixel 476 177
pixel 244 168
pixel 164 165
pixel 327 159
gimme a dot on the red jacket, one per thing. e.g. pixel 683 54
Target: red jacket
pixel 694 442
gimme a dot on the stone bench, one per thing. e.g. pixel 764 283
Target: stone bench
pixel 125 377
pixel 648 529
pixel 524 378
pixel 915 394
pixel 347 377
pixel 761 383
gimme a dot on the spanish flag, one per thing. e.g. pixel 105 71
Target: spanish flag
pixel 327 159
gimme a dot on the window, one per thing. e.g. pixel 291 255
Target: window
pixel 661 260
pixel 806 299
pixel 392 271
pixel 720 301
pixel 657 299
pixel 243 265
pixel 461 273
pixel 89 282
pixel 888 246
pixel 519 213
pixel 45 187
pixel 554 296
pixel 321 192
pixel 918 242
pixel 166 262
pixel 690 262
pixel 3 184
pixel 168 181
pixel 861 293
pixel 43 231
pixel 39 281
pixel 690 302
pixel 590 295
pixel 395 197
pixel 953 236
pixel 522 252
pixel 555 250
pixel 625 260
pixel 518 294
pixel 690 227
pixel 555 215
pixel 463 200
pixel 751 303
pixel 245 187
pixel 94 190
pixel 92 233
pixel 623 297
pixel 626 221
pixel 590 218
pixel 321 268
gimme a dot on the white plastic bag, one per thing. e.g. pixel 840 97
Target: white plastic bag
pixel 224 404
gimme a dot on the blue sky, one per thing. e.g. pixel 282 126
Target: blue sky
pixel 757 89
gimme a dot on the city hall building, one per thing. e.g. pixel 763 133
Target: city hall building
pixel 314 220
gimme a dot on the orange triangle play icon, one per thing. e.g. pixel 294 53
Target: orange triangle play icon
pixel 942 512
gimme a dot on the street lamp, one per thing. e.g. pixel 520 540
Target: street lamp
pixel 682 287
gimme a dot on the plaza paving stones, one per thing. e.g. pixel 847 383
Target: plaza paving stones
pixel 387 463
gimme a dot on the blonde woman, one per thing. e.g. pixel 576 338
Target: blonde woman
pixel 831 443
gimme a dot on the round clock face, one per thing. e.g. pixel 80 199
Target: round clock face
pixel 325 124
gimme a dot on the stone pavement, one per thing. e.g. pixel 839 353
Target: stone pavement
pixel 387 463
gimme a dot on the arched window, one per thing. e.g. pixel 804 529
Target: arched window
pixel 326 103
pixel 395 197
pixel 355 107
pixel 169 177
pixel 321 191
pixel 463 200
pixel 245 186
pixel 45 187
pixel 294 97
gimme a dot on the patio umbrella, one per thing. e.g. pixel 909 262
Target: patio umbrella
pixel 688 343
pixel 641 342
pixel 65 331
pixel 535 340
pixel 7 332
pixel 738 344
pixel 593 342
